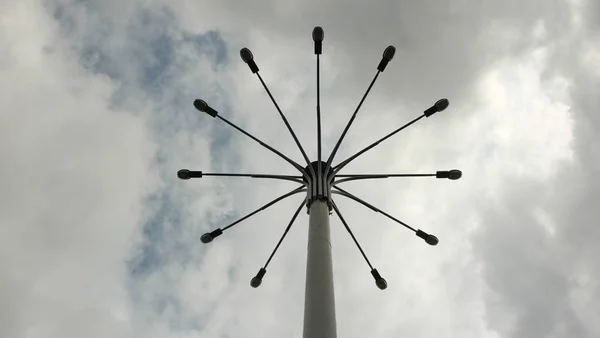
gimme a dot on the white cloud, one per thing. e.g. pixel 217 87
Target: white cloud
pixel 73 175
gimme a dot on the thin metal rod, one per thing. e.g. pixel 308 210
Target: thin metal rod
pixel 337 211
pixel 342 192
pixel 319 165
pixel 384 175
pixel 287 229
pixel 319 299
pixel 337 145
pixel 290 161
pixel 357 177
pixel 293 192
pixel 339 167
pixel 297 179
pixel 287 124
pixel 289 127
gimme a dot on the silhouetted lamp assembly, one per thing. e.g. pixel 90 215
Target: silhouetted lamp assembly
pixel 319 180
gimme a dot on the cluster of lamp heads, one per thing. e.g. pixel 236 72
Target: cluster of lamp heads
pixel 318 35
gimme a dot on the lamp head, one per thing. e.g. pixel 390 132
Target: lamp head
pixel 442 104
pixel 256 281
pixel 248 58
pixel 429 239
pixel 206 238
pixel 184 174
pixel 454 174
pixel 379 281
pixel 432 240
pixel 201 105
pixel 318 34
pixel 246 55
pixel 388 53
pixel 209 236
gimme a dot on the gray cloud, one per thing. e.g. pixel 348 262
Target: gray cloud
pixel 552 274
pixel 439 44
pixel 111 244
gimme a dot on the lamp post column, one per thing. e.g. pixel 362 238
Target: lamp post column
pixel 319 305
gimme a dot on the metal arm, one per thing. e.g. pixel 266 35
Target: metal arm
pixel 337 211
pixel 379 281
pixel 208 237
pixel 293 163
pixel 388 55
pixel 319 165
pixel 285 233
pixel 428 238
pixel 343 192
pixel 439 106
pixel 339 167
pixel 289 127
pixel 287 124
pixel 202 106
pixel 248 58
pixel 357 177
pixel 276 177
pixel 186 174
pixel 318 35
pixel 257 280
pixel 337 145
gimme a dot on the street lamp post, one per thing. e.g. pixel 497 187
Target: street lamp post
pixel 320 181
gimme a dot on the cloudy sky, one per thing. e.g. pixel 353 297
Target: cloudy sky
pixel 98 238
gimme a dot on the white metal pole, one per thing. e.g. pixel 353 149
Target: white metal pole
pixel 319 303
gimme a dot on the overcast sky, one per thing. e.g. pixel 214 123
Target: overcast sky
pixel 98 237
